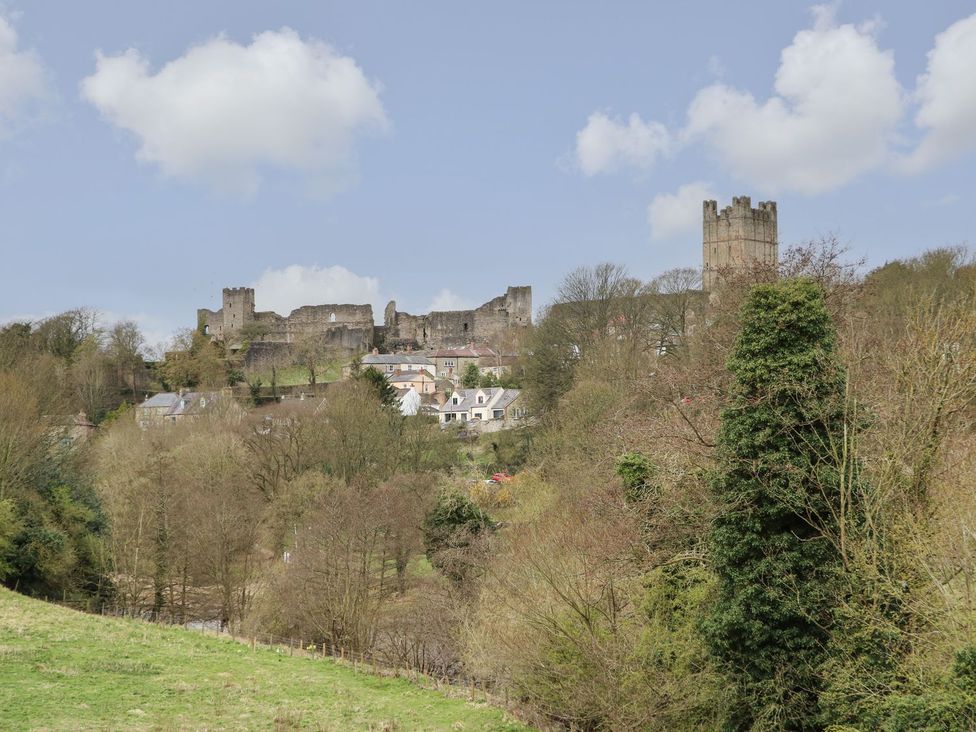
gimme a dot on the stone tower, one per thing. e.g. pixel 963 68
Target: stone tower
pixel 238 309
pixel 737 236
pixel 518 303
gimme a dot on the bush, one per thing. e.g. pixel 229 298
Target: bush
pixel 450 529
pixel 636 472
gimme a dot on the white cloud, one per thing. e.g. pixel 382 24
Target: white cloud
pixel 946 94
pixel 447 300
pixel 223 112
pixel 283 290
pixel 605 144
pixel 833 116
pixel 22 80
pixel 673 214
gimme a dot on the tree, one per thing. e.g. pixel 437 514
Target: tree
pixel 637 473
pixel 471 376
pixel 312 353
pixel 676 293
pixel 379 383
pixel 777 491
pixel 90 379
pixel 62 334
pixel 194 360
pixel 124 345
pixel 450 529
pixel 487 380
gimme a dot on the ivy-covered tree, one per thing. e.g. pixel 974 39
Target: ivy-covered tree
pixel 450 528
pixel 777 490
pixel 637 473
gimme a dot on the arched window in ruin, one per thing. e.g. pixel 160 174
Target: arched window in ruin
pixel 332 318
pixel 465 327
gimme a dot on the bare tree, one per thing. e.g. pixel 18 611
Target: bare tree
pixel 125 343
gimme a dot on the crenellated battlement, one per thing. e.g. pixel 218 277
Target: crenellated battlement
pixel 741 208
pixel 736 236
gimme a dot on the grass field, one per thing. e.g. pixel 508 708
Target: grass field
pixel 63 670
pixel 298 375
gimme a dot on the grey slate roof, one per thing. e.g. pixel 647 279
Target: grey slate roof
pixel 507 398
pixel 170 404
pixel 374 359
pixel 410 375
pixel 469 399
pixel 159 401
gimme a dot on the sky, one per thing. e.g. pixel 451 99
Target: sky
pixel 435 153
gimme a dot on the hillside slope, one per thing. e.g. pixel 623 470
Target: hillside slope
pixel 61 669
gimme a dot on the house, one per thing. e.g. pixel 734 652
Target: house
pixel 170 407
pixel 409 402
pixel 389 363
pixel 484 405
pixel 450 363
pixel 421 381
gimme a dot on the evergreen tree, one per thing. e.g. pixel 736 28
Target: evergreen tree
pixel 384 390
pixel 776 489
pixel 471 376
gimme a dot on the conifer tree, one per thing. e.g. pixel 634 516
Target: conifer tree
pixel 776 489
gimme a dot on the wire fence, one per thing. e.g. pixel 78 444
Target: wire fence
pixel 457 685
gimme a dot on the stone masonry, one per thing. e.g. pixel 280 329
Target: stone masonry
pixel 737 236
pixel 450 329
pixel 351 327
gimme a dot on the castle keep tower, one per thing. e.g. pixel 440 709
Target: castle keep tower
pixel 238 309
pixel 737 236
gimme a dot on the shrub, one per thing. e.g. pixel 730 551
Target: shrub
pixel 450 529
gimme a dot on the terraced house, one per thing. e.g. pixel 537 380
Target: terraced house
pixel 481 405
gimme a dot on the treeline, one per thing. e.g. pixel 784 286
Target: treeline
pixel 748 510
pixel 51 522
pixel 767 528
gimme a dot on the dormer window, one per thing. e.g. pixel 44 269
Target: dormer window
pixel 481 400
pixel 454 400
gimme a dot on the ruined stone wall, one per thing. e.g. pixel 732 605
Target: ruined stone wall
pixel 459 327
pixel 737 236
pixel 314 320
pixel 351 327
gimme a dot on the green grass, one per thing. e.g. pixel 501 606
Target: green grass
pixel 64 670
pixel 298 375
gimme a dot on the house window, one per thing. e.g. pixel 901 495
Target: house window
pixel 464 417
pixel 498 414
pixel 455 400
pixel 481 400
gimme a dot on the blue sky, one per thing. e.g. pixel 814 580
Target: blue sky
pixel 437 152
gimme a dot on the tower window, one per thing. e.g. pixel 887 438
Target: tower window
pixel 332 318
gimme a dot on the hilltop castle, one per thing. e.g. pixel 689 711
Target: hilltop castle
pixel 351 328
pixel 737 236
